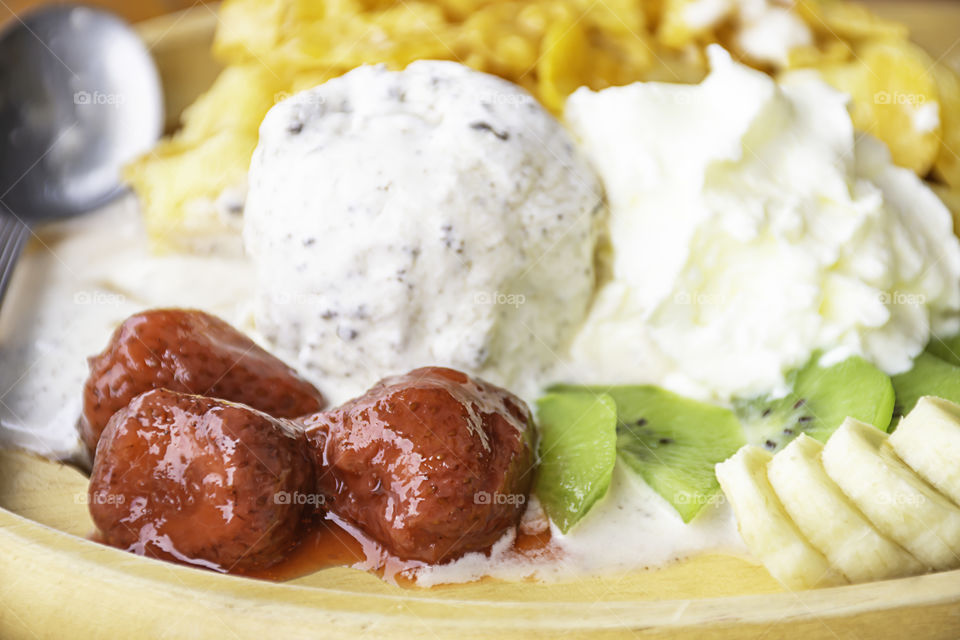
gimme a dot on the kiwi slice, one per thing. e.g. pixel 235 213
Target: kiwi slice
pixel 578 450
pixel 821 398
pixel 930 376
pixel 673 443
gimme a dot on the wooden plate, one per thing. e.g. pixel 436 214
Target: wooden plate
pixel 55 583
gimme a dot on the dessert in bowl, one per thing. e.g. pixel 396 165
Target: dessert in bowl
pixel 480 322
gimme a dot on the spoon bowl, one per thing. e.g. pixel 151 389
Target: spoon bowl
pixel 80 96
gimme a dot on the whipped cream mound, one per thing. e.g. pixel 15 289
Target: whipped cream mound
pixel 432 216
pixel 750 227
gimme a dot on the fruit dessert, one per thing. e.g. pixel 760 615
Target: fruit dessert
pixel 821 495
pixel 191 352
pixel 928 440
pixel 434 466
pixel 719 297
pixel 865 506
pixel 668 440
pixel 673 442
pixel 429 465
pixel 197 480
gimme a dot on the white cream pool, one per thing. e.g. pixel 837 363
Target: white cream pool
pixel 75 283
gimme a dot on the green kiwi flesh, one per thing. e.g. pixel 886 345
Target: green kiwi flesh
pixel 930 376
pixel 578 450
pixel 820 399
pixel 673 442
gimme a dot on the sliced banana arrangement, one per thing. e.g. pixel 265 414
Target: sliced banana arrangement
pixel 830 520
pixel 897 501
pixel 767 529
pixel 865 506
pixel 928 440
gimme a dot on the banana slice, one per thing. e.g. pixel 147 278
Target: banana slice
pixel 899 503
pixel 766 528
pixel 827 518
pixel 928 440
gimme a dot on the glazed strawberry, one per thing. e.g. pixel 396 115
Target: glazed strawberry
pixel 201 481
pixel 431 464
pixel 190 352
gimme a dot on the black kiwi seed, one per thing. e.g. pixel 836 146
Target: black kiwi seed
pixel 766 413
pixel 770 444
pixel 641 422
pixel 788 431
pixel 666 440
pixel 799 403
pixel 805 419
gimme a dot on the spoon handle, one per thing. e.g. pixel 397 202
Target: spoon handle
pixel 13 235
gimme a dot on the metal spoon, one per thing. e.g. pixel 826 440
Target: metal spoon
pixel 80 96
